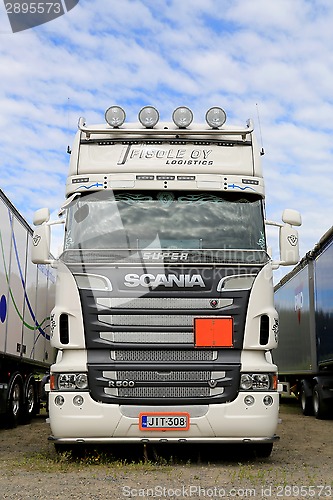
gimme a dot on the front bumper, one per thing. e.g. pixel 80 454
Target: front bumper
pixel 94 422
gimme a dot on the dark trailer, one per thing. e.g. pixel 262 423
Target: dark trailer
pixel 304 300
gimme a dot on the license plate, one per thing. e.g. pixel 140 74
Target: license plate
pixel 152 421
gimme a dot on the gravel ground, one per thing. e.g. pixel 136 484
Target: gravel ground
pixel 300 467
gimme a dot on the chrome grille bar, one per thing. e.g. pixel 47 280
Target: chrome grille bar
pixel 161 303
pixel 164 392
pixel 166 356
pixel 148 337
pixel 163 376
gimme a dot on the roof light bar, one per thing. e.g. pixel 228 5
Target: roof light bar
pixel 149 116
pixel 216 117
pixel 182 117
pixel 115 116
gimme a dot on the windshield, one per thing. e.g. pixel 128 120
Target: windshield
pixel 165 220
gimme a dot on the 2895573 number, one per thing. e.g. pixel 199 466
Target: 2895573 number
pixel 290 491
pixel 33 8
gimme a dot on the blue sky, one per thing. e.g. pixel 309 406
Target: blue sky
pixel 268 56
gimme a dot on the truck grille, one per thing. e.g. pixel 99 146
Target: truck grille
pixel 148 320
pixel 174 376
pixel 138 337
pixel 164 392
pixel 140 340
pixel 163 383
pixel 166 303
pixel 173 356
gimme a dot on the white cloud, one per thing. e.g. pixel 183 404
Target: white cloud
pixel 167 52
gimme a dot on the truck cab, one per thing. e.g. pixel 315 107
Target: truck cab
pixel 164 315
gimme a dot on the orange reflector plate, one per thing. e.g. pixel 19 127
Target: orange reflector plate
pixel 213 332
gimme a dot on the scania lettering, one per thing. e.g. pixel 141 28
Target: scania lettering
pixel 149 280
pixel 164 318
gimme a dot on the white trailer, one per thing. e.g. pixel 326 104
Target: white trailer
pixel 164 315
pixel 26 298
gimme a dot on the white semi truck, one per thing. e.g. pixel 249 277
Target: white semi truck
pixel 164 316
pixel 26 299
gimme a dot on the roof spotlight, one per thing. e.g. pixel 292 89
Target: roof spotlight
pixel 115 116
pixel 182 117
pixel 148 116
pixel 216 117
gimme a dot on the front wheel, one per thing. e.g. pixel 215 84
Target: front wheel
pixel 263 450
pixel 320 407
pixel 30 407
pixel 75 451
pixel 306 400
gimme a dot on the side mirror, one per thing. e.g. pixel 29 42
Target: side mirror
pixel 289 245
pixel 40 216
pixel 289 242
pixel 40 252
pixel 292 217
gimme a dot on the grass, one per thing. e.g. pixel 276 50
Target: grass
pixel 97 461
pixel 82 458
pixel 141 458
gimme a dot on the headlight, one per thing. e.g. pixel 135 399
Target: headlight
pixel 246 382
pixel 182 117
pixel 115 116
pixel 257 381
pixel 72 381
pixel 216 117
pixel 148 116
pixel 81 381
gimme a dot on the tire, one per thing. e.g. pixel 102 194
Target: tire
pixel 14 402
pixel 62 448
pixel 321 409
pixel 263 450
pixel 76 451
pixel 306 401
pixel 30 405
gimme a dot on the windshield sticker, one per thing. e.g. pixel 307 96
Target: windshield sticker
pixel 200 199
pixel 69 243
pixel 261 241
pixel 165 199
pixel 132 198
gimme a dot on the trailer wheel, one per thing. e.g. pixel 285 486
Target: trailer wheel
pixel 30 405
pixel 14 402
pixel 320 407
pixel 306 400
